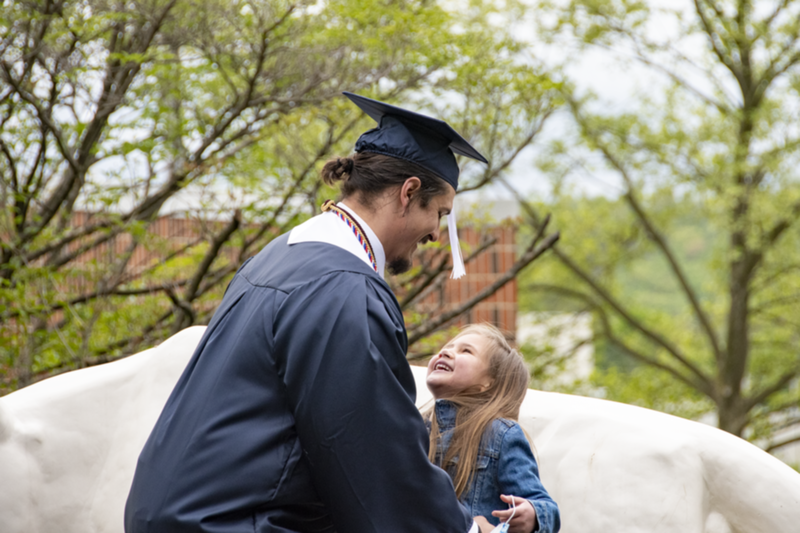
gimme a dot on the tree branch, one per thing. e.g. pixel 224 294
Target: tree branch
pixel 612 302
pixel 779 228
pixel 780 444
pixel 443 267
pixel 77 233
pixel 530 254
pixel 609 334
pixel 711 37
pixel 211 254
pixel 492 173
pixel 662 244
pixel 779 384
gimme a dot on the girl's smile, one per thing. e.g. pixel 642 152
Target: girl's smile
pixel 441 365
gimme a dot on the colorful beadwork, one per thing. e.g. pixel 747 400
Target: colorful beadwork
pixel 329 205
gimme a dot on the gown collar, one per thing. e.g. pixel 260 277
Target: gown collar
pixel 330 229
pixel 377 245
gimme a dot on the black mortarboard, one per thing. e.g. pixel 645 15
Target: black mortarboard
pixel 426 141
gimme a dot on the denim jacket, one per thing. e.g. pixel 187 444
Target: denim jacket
pixel 505 466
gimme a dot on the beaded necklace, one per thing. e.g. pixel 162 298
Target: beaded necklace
pixel 347 218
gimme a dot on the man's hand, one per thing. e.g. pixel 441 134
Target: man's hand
pixel 483 524
pixel 524 520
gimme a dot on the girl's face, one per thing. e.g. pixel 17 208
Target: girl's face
pixel 460 365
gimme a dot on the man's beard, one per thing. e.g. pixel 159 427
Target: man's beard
pixel 398 266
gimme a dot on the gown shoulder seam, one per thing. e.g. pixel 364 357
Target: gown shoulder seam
pixel 305 283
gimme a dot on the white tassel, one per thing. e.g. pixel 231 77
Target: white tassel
pixel 455 248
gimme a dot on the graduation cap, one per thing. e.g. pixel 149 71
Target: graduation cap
pixel 426 141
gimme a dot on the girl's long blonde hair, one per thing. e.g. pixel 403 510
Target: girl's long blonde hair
pixel 477 409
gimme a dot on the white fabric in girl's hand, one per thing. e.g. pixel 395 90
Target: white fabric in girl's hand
pixel 503 528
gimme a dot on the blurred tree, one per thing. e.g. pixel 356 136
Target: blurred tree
pixel 113 114
pixel 692 266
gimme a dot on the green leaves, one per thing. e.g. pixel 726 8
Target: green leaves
pixel 691 271
pixel 219 114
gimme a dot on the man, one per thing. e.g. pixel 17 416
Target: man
pixel 296 412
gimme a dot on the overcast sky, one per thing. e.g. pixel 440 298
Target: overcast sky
pixel 616 82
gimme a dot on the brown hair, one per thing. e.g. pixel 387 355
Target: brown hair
pixel 368 175
pixel 477 409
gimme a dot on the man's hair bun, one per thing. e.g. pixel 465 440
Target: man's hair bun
pixel 338 169
pixel 367 175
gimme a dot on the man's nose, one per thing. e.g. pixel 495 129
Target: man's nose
pixel 435 233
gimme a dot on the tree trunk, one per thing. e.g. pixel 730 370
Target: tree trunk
pixel 734 362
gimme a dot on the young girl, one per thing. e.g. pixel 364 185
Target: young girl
pixel 479 383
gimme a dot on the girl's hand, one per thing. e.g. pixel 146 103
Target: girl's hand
pixel 484 525
pixel 524 520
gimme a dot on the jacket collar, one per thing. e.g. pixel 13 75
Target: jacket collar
pixel 446 414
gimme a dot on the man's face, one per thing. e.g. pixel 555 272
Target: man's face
pixel 418 225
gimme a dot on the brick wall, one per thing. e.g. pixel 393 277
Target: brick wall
pixel 499 309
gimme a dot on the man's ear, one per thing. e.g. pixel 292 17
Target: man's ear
pixel 409 189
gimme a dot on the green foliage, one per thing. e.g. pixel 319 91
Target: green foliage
pixel 691 271
pixel 219 114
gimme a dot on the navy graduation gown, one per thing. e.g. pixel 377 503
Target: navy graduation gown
pixel 296 412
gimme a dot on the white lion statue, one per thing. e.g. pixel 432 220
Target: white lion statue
pixel 69 444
